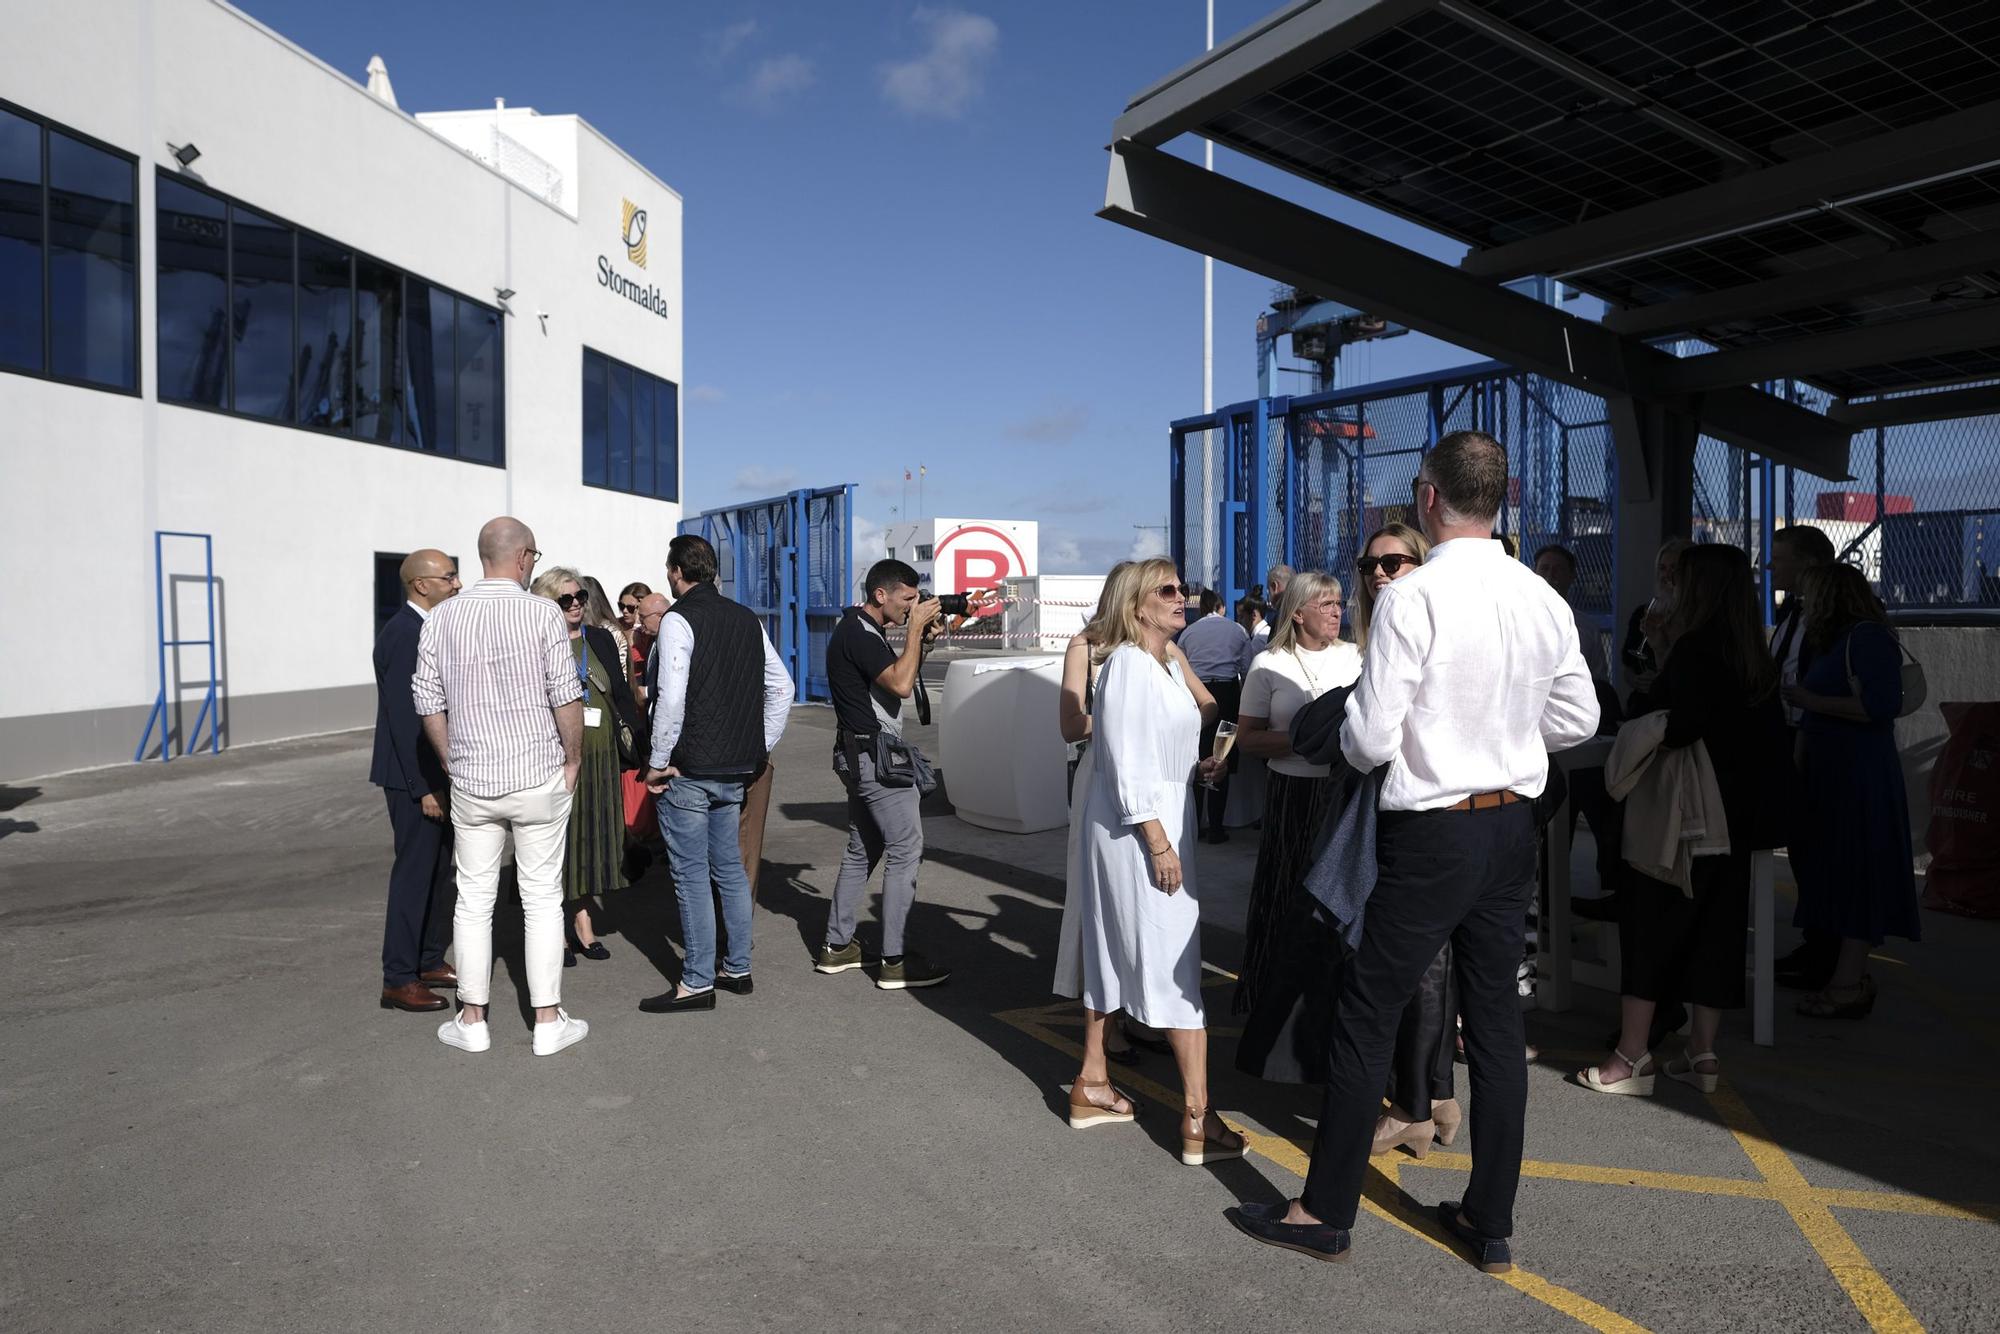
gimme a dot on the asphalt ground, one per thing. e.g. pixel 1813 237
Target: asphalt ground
pixel 210 1125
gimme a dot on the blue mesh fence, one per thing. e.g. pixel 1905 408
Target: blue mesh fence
pixel 1921 516
pixel 788 558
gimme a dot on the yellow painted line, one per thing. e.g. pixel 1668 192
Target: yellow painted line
pixel 1967 1211
pixel 1595 1175
pixel 1295 1159
pixel 1865 1287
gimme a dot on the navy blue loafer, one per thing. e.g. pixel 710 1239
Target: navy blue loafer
pixel 1489 1253
pixel 1266 1222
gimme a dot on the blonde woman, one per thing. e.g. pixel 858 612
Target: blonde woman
pixel 596 846
pixel 1139 918
pixel 1306 659
pixel 1391 551
pixel 1081 665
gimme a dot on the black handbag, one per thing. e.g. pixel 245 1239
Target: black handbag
pixel 899 764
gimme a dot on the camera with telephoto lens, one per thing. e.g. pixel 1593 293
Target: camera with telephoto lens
pixel 951 604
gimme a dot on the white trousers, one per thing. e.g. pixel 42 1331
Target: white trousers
pixel 538 818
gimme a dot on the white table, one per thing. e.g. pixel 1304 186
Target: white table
pixel 1555 968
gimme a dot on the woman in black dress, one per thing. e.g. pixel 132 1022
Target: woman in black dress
pixel 1718 686
pixel 1852 852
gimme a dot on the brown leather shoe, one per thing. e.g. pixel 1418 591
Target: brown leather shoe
pixel 412 996
pixel 444 975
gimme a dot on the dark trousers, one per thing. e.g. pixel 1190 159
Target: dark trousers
pixel 1467 878
pixel 1228 697
pixel 422 892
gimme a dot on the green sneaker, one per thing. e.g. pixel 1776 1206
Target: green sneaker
pixel 912 970
pixel 833 960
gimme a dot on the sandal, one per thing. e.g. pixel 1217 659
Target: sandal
pixel 1083 1113
pixel 1206 1148
pixel 1638 1084
pixel 1822 1005
pixel 1690 1071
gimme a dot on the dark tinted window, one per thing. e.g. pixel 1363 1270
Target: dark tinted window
pixel 594 390
pixel 631 429
pixel 193 295
pixel 482 406
pixel 433 397
pixel 642 434
pixel 378 351
pixel 618 432
pixel 667 442
pixel 93 250
pixel 20 243
pixel 326 316
pixel 261 314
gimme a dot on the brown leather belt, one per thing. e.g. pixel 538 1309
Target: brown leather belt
pixel 1488 801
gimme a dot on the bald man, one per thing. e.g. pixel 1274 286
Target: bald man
pixel 412 780
pixel 651 608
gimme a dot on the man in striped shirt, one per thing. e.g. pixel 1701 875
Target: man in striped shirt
pixel 500 698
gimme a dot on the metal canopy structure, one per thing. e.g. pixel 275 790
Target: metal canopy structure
pixel 1811 188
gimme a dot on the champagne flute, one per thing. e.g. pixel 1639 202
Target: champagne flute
pixel 1225 739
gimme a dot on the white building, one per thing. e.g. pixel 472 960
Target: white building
pixel 958 555
pixel 281 312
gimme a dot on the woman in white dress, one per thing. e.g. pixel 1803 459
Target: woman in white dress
pixel 1136 831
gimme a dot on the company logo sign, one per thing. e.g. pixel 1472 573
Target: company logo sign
pixel 979 557
pixel 634 233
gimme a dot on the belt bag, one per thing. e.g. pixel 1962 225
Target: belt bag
pixel 897 763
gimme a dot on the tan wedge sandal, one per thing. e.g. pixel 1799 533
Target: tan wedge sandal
pixel 1083 1113
pixel 1201 1147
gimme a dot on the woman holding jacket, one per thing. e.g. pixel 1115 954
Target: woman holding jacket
pixel 1717 686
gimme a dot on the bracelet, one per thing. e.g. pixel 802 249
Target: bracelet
pixel 1159 852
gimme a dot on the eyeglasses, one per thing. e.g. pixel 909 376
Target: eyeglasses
pixel 450 578
pixel 568 600
pixel 1391 565
pixel 1171 590
pixel 534 556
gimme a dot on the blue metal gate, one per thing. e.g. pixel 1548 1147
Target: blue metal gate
pixel 790 559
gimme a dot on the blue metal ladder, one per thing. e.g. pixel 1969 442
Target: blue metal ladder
pixel 210 712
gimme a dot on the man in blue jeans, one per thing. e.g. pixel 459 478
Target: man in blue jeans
pixel 720 708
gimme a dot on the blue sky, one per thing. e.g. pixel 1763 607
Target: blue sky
pixel 891 257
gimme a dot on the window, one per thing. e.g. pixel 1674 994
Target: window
pixel 631 429
pixel 923 551
pixel 262 319
pixel 69 250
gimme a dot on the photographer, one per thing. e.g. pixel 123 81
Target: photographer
pixel 885 779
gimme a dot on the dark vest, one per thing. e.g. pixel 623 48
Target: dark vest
pixel 722 731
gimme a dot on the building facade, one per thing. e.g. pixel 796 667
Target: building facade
pixel 242 296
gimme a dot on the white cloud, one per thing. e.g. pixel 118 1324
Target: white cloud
pixel 765 481
pixel 867 542
pixel 777 79
pixel 951 71
pixel 1147 543
pixel 721 44
pixel 705 393
pixel 1057 426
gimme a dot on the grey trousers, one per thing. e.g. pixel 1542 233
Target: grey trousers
pixel 882 824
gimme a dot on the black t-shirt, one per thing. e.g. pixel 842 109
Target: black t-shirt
pixel 857 653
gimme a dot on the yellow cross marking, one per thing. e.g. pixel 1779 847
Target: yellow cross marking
pixel 1779 1180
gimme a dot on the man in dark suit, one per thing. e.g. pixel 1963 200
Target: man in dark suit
pixel 412 779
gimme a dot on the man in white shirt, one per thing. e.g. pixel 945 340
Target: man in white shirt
pixel 721 705
pixel 1214 645
pixel 1472 677
pixel 497 689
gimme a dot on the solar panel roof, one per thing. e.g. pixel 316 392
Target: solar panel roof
pixel 1501 121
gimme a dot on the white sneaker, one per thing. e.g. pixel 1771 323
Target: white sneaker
pixel 465 1037
pixel 561 1031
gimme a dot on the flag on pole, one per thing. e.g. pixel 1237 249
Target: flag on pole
pixel 906 474
pixel 922 471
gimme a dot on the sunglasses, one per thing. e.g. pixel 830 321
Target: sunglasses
pixel 1171 590
pixel 628 607
pixel 568 600
pixel 1389 565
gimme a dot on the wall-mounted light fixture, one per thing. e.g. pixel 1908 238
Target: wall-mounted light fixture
pixel 185 154
pixel 503 293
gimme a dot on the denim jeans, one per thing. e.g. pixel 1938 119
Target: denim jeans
pixel 701 820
